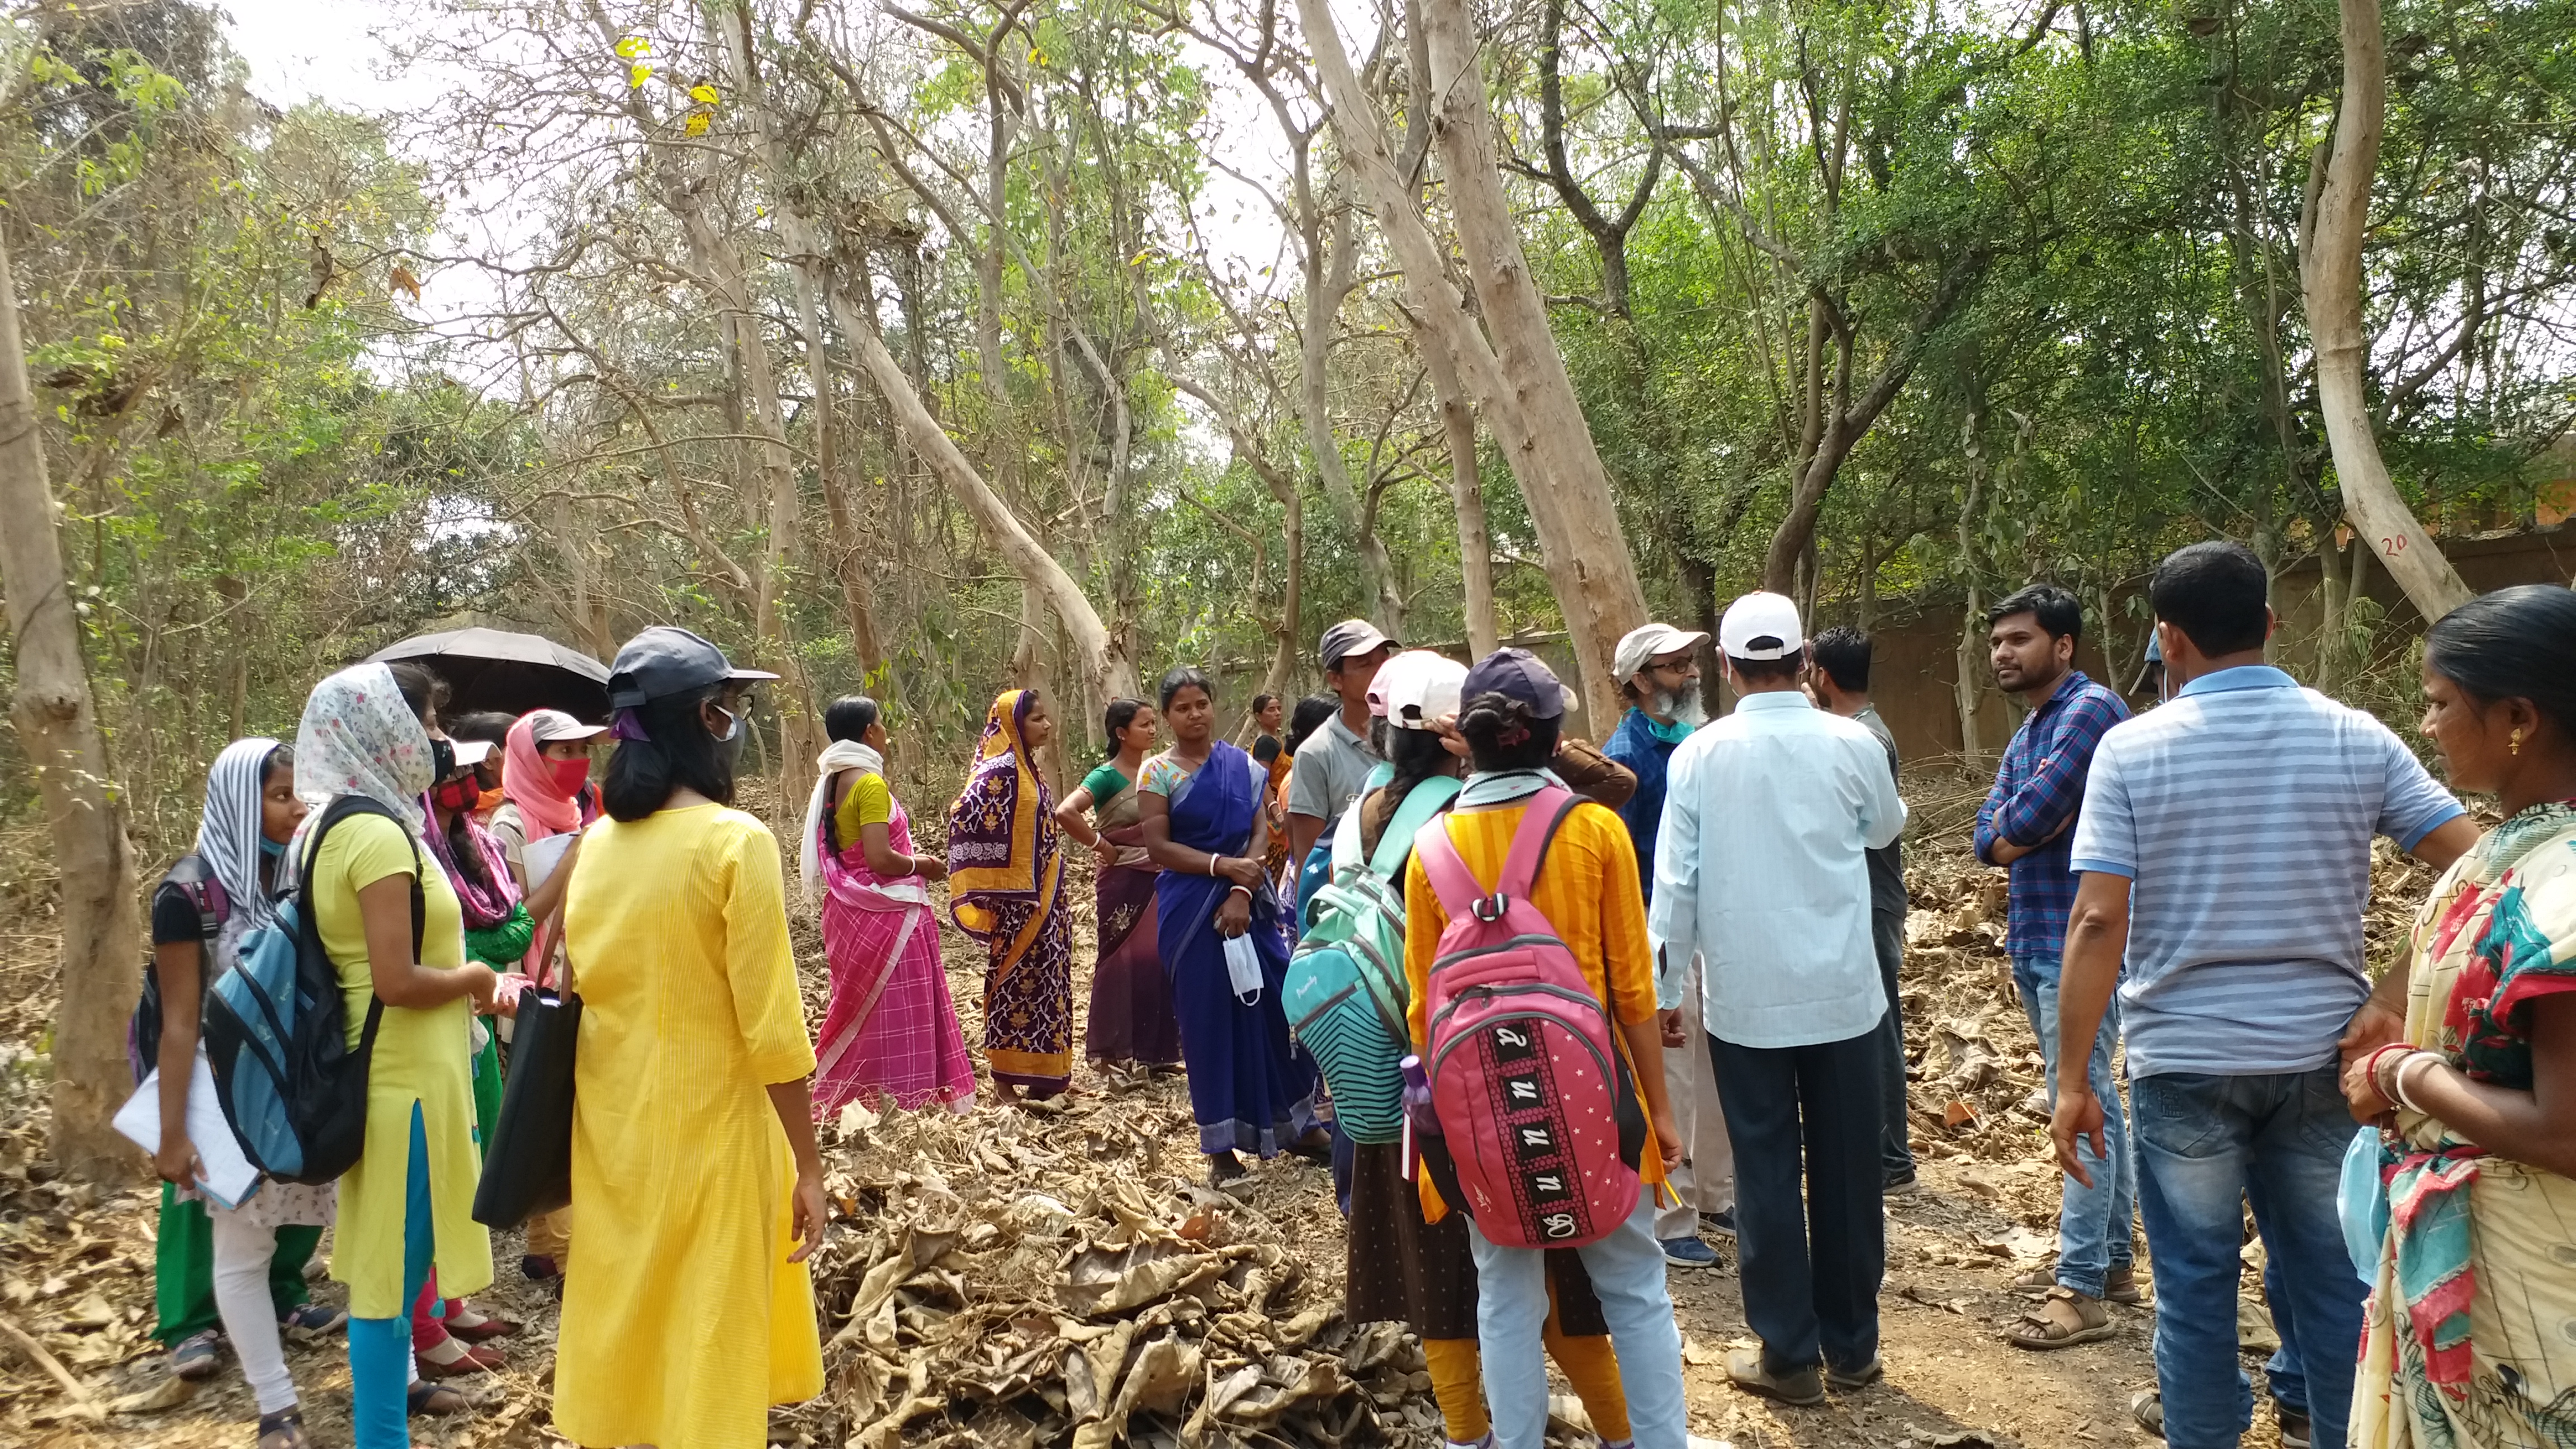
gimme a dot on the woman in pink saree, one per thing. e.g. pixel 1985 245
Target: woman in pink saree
pixel 890 1037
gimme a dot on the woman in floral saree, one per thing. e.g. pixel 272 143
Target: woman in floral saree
pixel 2470 1336
pixel 1006 889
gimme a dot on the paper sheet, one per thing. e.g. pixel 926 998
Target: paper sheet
pixel 229 1175
pixel 542 856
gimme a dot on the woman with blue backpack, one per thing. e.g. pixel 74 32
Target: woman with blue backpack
pixel 242 1265
pixel 1397 1266
pixel 368 750
pixel 1223 938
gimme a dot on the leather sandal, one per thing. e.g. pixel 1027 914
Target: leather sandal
pixel 428 1400
pixel 283 1429
pixel 2063 1319
pixel 474 1359
pixel 489 1328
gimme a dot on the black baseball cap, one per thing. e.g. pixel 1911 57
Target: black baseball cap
pixel 1517 674
pixel 664 660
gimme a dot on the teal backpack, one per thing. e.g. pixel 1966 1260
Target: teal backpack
pixel 1346 995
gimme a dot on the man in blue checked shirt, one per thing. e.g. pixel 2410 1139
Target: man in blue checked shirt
pixel 2027 825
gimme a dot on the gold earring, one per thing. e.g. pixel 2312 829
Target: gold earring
pixel 2515 744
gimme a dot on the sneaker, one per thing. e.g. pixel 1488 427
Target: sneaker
pixel 2293 1424
pixel 198 1356
pixel 2147 1407
pixel 1857 1378
pixel 1689 1253
pixel 1802 1387
pixel 310 1321
pixel 1901 1184
pixel 1721 1223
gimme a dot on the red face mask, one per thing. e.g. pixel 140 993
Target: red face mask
pixel 571 775
pixel 457 796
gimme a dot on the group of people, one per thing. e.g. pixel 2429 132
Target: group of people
pixel 1722 899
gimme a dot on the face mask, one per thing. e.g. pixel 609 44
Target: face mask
pixel 457 796
pixel 273 849
pixel 729 744
pixel 571 775
pixel 442 759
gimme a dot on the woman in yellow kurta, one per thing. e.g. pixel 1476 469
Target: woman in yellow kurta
pixel 408 1204
pixel 688 1311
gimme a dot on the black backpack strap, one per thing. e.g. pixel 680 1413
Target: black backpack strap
pixel 339 810
pixel 196 881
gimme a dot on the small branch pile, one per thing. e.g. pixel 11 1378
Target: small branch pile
pixel 1044 1277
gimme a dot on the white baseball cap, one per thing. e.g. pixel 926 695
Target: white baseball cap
pixel 1761 626
pixel 1650 641
pixel 1415 688
pixel 546 726
pixel 470 752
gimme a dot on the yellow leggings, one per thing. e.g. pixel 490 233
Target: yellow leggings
pixel 1589 1364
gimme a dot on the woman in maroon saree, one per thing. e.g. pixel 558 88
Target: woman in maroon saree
pixel 1131 1002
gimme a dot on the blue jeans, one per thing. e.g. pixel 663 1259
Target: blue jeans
pixel 2207 1146
pixel 380 1348
pixel 1627 1270
pixel 2092 1222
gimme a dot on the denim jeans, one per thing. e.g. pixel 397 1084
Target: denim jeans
pixel 1810 1204
pixel 2092 1222
pixel 1627 1270
pixel 2207 1146
pixel 1887 937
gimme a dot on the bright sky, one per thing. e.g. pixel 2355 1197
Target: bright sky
pixel 298 49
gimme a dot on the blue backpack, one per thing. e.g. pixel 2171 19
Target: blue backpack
pixel 1346 994
pixel 276 1033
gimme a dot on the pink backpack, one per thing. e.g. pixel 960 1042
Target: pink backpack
pixel 1540 1121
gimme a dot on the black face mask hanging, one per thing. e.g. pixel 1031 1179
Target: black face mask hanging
pixel 442 760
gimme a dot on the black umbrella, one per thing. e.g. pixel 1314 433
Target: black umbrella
pixel 495 669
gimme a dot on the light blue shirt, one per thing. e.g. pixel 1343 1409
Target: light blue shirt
pixel 1761 868
pixel 2242 813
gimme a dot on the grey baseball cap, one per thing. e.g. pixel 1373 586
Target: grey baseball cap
pixel 1647 642
pixel 1351 636
pixel 664 660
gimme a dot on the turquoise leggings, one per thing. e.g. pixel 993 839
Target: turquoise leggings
pixel 380 1348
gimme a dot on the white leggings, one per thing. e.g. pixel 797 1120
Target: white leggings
pixel 242 1254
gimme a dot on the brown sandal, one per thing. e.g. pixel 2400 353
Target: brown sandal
pixel 2063 1319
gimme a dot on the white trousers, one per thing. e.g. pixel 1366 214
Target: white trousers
pixel 242 1252
pixel 1705 1182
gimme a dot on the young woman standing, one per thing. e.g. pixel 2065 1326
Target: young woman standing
pixel 1131 1002
pixel 407 1206
pixel 689 1309
pixel 1203 821
pixel 890 1038
pixel 245 1262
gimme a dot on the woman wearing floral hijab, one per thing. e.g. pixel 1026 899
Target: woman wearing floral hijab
pixel 1006 889
pixel 407 1205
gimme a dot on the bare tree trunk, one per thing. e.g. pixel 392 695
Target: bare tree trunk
pixel 1331 253
pixel 1467 496
pixel 1110 671
pixel 1968 661
pixel 1519 381
pixel 57 724
pixel 2330 271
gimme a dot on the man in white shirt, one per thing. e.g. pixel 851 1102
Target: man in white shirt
pixel 1761 867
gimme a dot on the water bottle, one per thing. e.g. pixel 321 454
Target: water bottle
pixel 1417 1097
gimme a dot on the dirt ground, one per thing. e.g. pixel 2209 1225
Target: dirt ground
pixel 1044 1277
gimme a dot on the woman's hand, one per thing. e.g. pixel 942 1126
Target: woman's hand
pixel 177 1160
pixel 929 867
pixel 1234 917
pixel 1243 870
pixel 1103 851
pixel 483 984
pixel 1668 1141
pixel 813 1213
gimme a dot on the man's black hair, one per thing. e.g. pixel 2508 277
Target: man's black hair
pixel 2216 593
pixel 2058 612
pixel 1768 669
pixel 1842 652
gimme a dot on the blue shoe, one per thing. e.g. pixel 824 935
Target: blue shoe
pixel 1689 1253
pixel 1720 1223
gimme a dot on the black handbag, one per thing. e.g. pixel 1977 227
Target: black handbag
pixel 527 1170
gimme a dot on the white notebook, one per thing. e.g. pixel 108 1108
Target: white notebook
pixel 229 1175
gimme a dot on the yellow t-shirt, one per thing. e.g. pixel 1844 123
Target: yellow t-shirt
pixel 422 1059
pixel 1587 888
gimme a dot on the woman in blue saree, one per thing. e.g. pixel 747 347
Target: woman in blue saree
pixel 1205 822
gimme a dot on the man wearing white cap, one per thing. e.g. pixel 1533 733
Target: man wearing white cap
pixel 1657 667
pixel 1761 869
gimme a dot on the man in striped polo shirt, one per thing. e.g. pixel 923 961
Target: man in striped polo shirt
pixel 2224 856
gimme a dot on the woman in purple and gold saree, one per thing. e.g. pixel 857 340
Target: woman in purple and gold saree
pixel 1006 889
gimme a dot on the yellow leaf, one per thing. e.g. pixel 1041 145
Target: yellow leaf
pixel 632 46
pixel 697 123
pixel 636 75
pixel 705 93
pixel 1141 258
pixel 1037 56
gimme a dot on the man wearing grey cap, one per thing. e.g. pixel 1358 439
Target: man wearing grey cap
pixel 1334 762
pixel 1761 869
pixel 1657 667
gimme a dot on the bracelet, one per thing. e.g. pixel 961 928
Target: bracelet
pixel 2378 1058
pixel 1214 860
pixel 2397 1079
pixel 1243 891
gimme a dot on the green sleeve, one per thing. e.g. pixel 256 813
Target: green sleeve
pixel 1104 782
pixel 503 944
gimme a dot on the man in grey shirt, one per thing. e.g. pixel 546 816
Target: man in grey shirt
pixel 1838 673
pixel 1334 762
